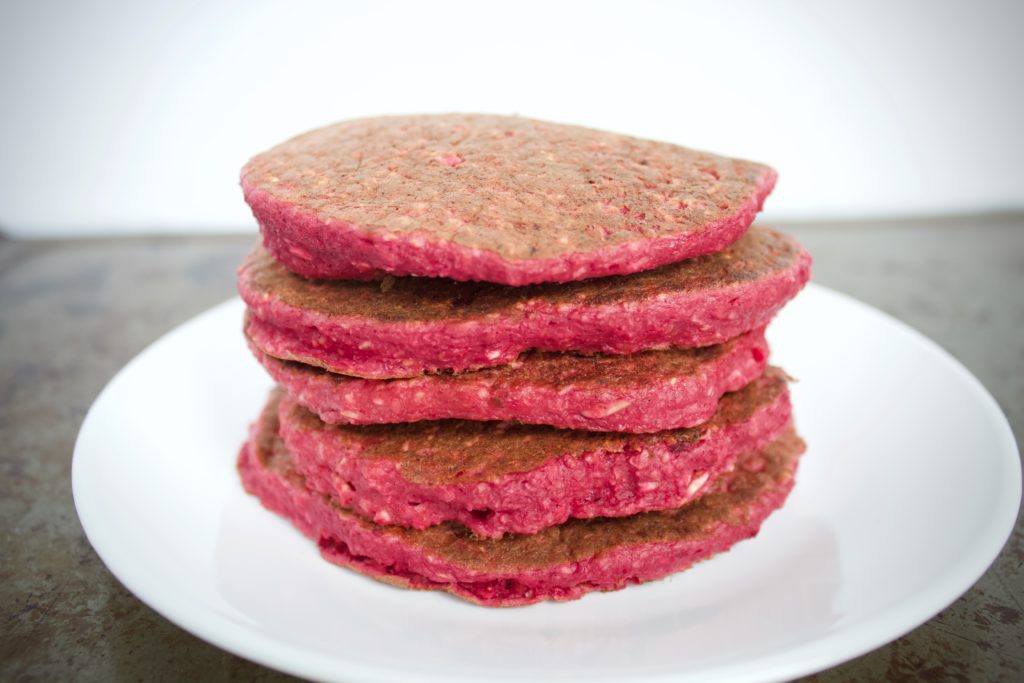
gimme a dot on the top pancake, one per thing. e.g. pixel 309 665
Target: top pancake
pixel 493 198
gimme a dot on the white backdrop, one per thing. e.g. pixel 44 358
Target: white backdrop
pixel 123 116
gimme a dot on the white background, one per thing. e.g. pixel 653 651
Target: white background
pixel 126 116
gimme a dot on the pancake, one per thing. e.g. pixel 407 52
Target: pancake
pixel 558 563
pixel 405 327
pixel 496 478
pixel 649 391
pixel 493 198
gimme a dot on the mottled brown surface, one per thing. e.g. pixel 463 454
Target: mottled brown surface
pixel 65 617
pixel 518 187
pixel 461 451
pixel 729 502
pixel 758 252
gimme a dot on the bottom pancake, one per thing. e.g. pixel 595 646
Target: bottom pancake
pixel 562 562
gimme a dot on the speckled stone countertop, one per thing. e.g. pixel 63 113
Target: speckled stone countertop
pixel 73 312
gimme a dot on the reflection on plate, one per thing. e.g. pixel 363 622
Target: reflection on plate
pixel 903 442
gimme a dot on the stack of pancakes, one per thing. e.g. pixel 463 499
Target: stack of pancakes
pixel 516 361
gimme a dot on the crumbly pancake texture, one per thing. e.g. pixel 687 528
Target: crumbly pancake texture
pixel 558 563
pixel 493 198
pixel 496 478
pixel 404 327
pixel 649 391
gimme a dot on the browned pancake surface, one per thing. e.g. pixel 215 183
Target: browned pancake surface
pixel 759 253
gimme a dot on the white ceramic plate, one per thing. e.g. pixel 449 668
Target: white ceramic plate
pixel 908 491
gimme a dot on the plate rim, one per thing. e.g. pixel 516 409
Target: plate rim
pixel 810 656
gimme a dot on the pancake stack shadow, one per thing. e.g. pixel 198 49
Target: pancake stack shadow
pixel 515 361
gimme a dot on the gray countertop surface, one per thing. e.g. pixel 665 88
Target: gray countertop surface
pixel 73 312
